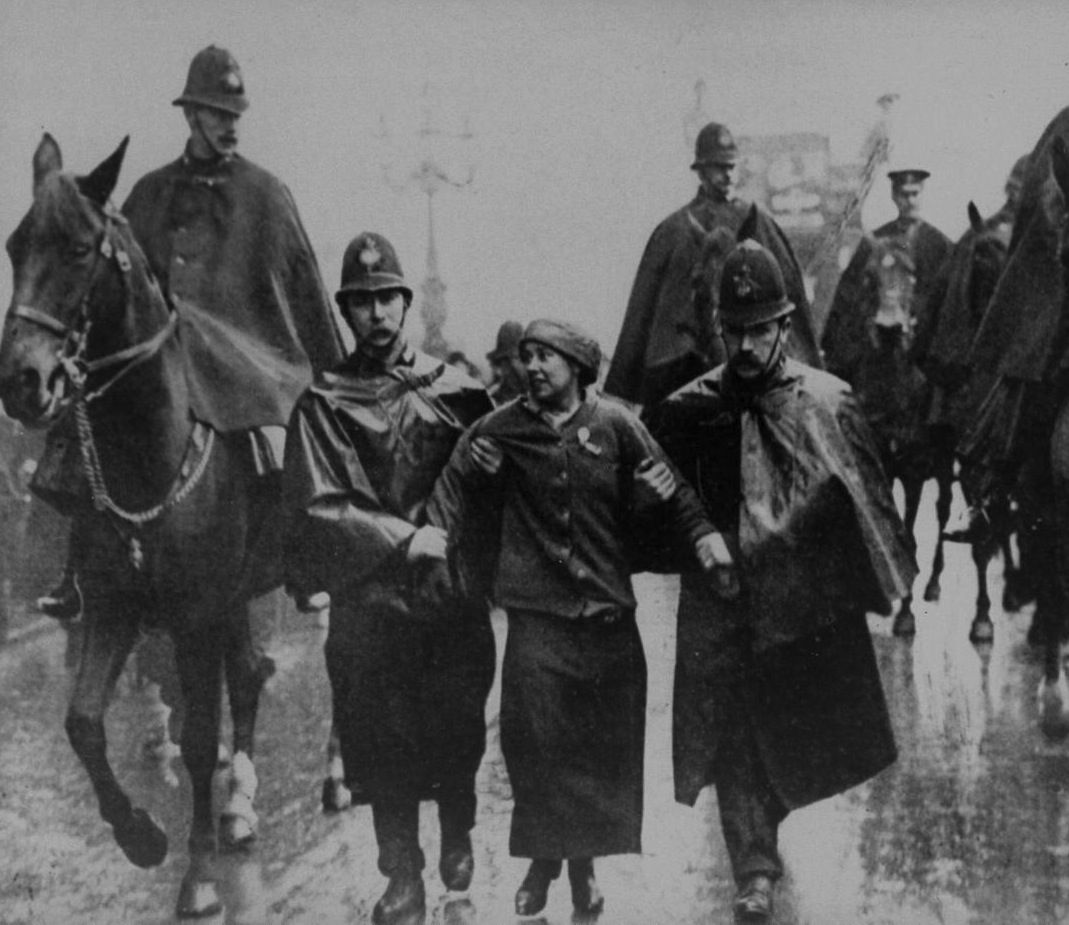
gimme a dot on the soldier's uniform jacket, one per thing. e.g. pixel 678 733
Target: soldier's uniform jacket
pixel 660 326
pixel 789 473
pixel 227 245
pixel 363 450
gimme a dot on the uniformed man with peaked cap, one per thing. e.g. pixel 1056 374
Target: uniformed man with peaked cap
pixel 926 246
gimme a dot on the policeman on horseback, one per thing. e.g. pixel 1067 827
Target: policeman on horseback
pixel 224 239
pixel 662 344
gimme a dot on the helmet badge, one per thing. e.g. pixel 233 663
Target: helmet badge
pixel 745 286
pixel 370 255
pixel 232 82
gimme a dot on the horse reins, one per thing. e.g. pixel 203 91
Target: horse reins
pixel 78 369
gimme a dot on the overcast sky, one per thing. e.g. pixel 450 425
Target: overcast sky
pixel 578 109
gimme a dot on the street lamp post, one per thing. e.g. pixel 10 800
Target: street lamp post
pixel 431 176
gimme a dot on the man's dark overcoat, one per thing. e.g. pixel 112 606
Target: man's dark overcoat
pixel 790 474
pixel 230 252
pixel 660 333
pixel 410 679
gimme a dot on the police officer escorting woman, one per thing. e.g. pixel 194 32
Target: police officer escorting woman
pixel 573 475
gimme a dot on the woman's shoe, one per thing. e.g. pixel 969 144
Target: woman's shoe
pixel 586 897
pixel 532 894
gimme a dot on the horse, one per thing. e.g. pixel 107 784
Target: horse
pixel 946 327
pixel 177 534
pixel 869 344
pixel 1020 432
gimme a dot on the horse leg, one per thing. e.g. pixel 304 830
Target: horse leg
pixel 336 796
pixel 105 648
pixel 982 630
pixel 247 669
pixel 905 622
pixel 944 477
pixel 1054 691
pixel 199 657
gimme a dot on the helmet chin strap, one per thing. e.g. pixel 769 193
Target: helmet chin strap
pixel 774 352
pixel 221 155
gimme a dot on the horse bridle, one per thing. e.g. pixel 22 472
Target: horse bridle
pixel 77 369
pixel 71 354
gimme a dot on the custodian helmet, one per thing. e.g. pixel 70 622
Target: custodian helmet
pixel 752 290
pixel 714 145
pixel 370 264
pixel 214 80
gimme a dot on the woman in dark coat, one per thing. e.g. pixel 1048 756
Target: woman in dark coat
pixel 573 472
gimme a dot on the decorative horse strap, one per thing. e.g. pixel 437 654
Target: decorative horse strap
pixel 194 464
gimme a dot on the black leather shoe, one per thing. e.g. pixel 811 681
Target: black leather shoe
pixel 533 892
pixel 587 899
pixel 64 602
pixel 754 900
pixel 403 901
pixel 457 863
pixel 971 527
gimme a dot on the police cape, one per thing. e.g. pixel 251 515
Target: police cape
pixel 230 252
pixel 409 674
pixel 788 471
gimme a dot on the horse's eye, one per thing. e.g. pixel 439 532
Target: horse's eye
pixel 80 250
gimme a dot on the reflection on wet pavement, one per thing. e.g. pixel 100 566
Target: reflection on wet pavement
pixel 971 825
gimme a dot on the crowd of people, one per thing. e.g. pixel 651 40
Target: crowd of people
pixel 418 499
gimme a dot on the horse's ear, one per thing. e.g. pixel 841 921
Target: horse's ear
pixel 748 228
pixel 1059 162
pixel 99 184
pixel 975 222
pixel 46 159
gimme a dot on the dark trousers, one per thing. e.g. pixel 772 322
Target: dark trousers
pixel 750 810
pixel 409 701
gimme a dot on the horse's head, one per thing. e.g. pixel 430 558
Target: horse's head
pixel 69 255
pixel 713 248
pixel 985 261
pixel 891 273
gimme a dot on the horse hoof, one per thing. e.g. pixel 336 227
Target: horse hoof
pixel 197 898
pixel 905 624
pixel 983 631
pixel 142 841
pixel 336 796
pixel 933 592
pixel 1054 708
pixel 235 832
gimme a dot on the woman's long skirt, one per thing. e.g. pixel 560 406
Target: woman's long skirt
pixel 573 715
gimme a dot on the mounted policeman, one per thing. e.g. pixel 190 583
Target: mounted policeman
pixel 668 335
pixel 224 239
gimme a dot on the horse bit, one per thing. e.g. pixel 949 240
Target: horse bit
pixel 77 368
